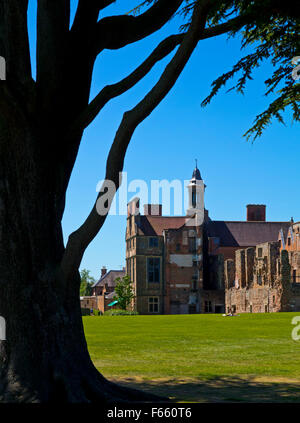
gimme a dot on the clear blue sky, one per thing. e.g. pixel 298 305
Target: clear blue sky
pixel 178 131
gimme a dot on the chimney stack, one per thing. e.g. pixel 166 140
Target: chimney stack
pixel 256 213
pixel 153 210
pixel 103 271
pixel 133 207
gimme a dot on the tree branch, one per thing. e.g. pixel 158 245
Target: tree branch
pixel 118 31
pixel 105 3
pixel 14 44
pixel 80 239
pixel 86 16
pixel 53 20
pixel 111 91
pixel 161 51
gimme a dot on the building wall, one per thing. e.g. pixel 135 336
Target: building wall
pixel 183 270
pixel 255 282
pixel 212 300
pixel 253 300
pixel 292 245
pixel 215 249
pixel 138 251
pixel 89 302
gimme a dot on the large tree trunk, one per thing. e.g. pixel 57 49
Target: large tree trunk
pixel 45 356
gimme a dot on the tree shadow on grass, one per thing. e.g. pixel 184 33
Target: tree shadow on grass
pixel 218 389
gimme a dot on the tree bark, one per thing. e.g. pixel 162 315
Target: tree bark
pixel 45 356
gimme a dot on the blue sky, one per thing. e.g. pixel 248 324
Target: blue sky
pixel 164 146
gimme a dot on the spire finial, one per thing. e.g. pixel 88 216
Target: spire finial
pixel 196 160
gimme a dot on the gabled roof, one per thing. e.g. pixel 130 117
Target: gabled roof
pixel 109 278
pixel 154 225
pixel 245 234
pixel 231 234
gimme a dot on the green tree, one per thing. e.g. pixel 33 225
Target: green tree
pixel 86 283
pixel 272 30
pixel 124 292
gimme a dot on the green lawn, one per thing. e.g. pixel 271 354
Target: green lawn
pixel 251 357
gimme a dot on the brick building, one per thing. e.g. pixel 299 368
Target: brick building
pixel 177 264
pixel 291 243
pixel 256 281
pixel 106 284
pixel 103 291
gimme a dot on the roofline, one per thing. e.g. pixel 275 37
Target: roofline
pixel 225 221
pixel 106 274
pixel 251 221
pixel 165 217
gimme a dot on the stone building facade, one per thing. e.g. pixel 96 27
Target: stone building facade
pixel 256 280
pixel 184 264
pixel 292 244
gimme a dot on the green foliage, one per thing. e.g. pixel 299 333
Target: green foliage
pixel 272 30
pixel 85 312
pixel 86 283
pixel 118 312
pixel 124 292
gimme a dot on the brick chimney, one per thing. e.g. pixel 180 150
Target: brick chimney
pixel 256 213
pixel 133 207
pixel 103 271
pixel 153 210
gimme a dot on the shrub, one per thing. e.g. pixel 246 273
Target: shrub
pixel 85 311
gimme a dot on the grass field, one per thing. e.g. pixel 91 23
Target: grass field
pixel 201 358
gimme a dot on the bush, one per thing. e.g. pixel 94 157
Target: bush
pixel 118 312
pixel 85 311
pixel 97 312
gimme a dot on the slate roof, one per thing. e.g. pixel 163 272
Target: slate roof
pixel 109 278
pixel 245 234
pixel 196 174
pixel 231 234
